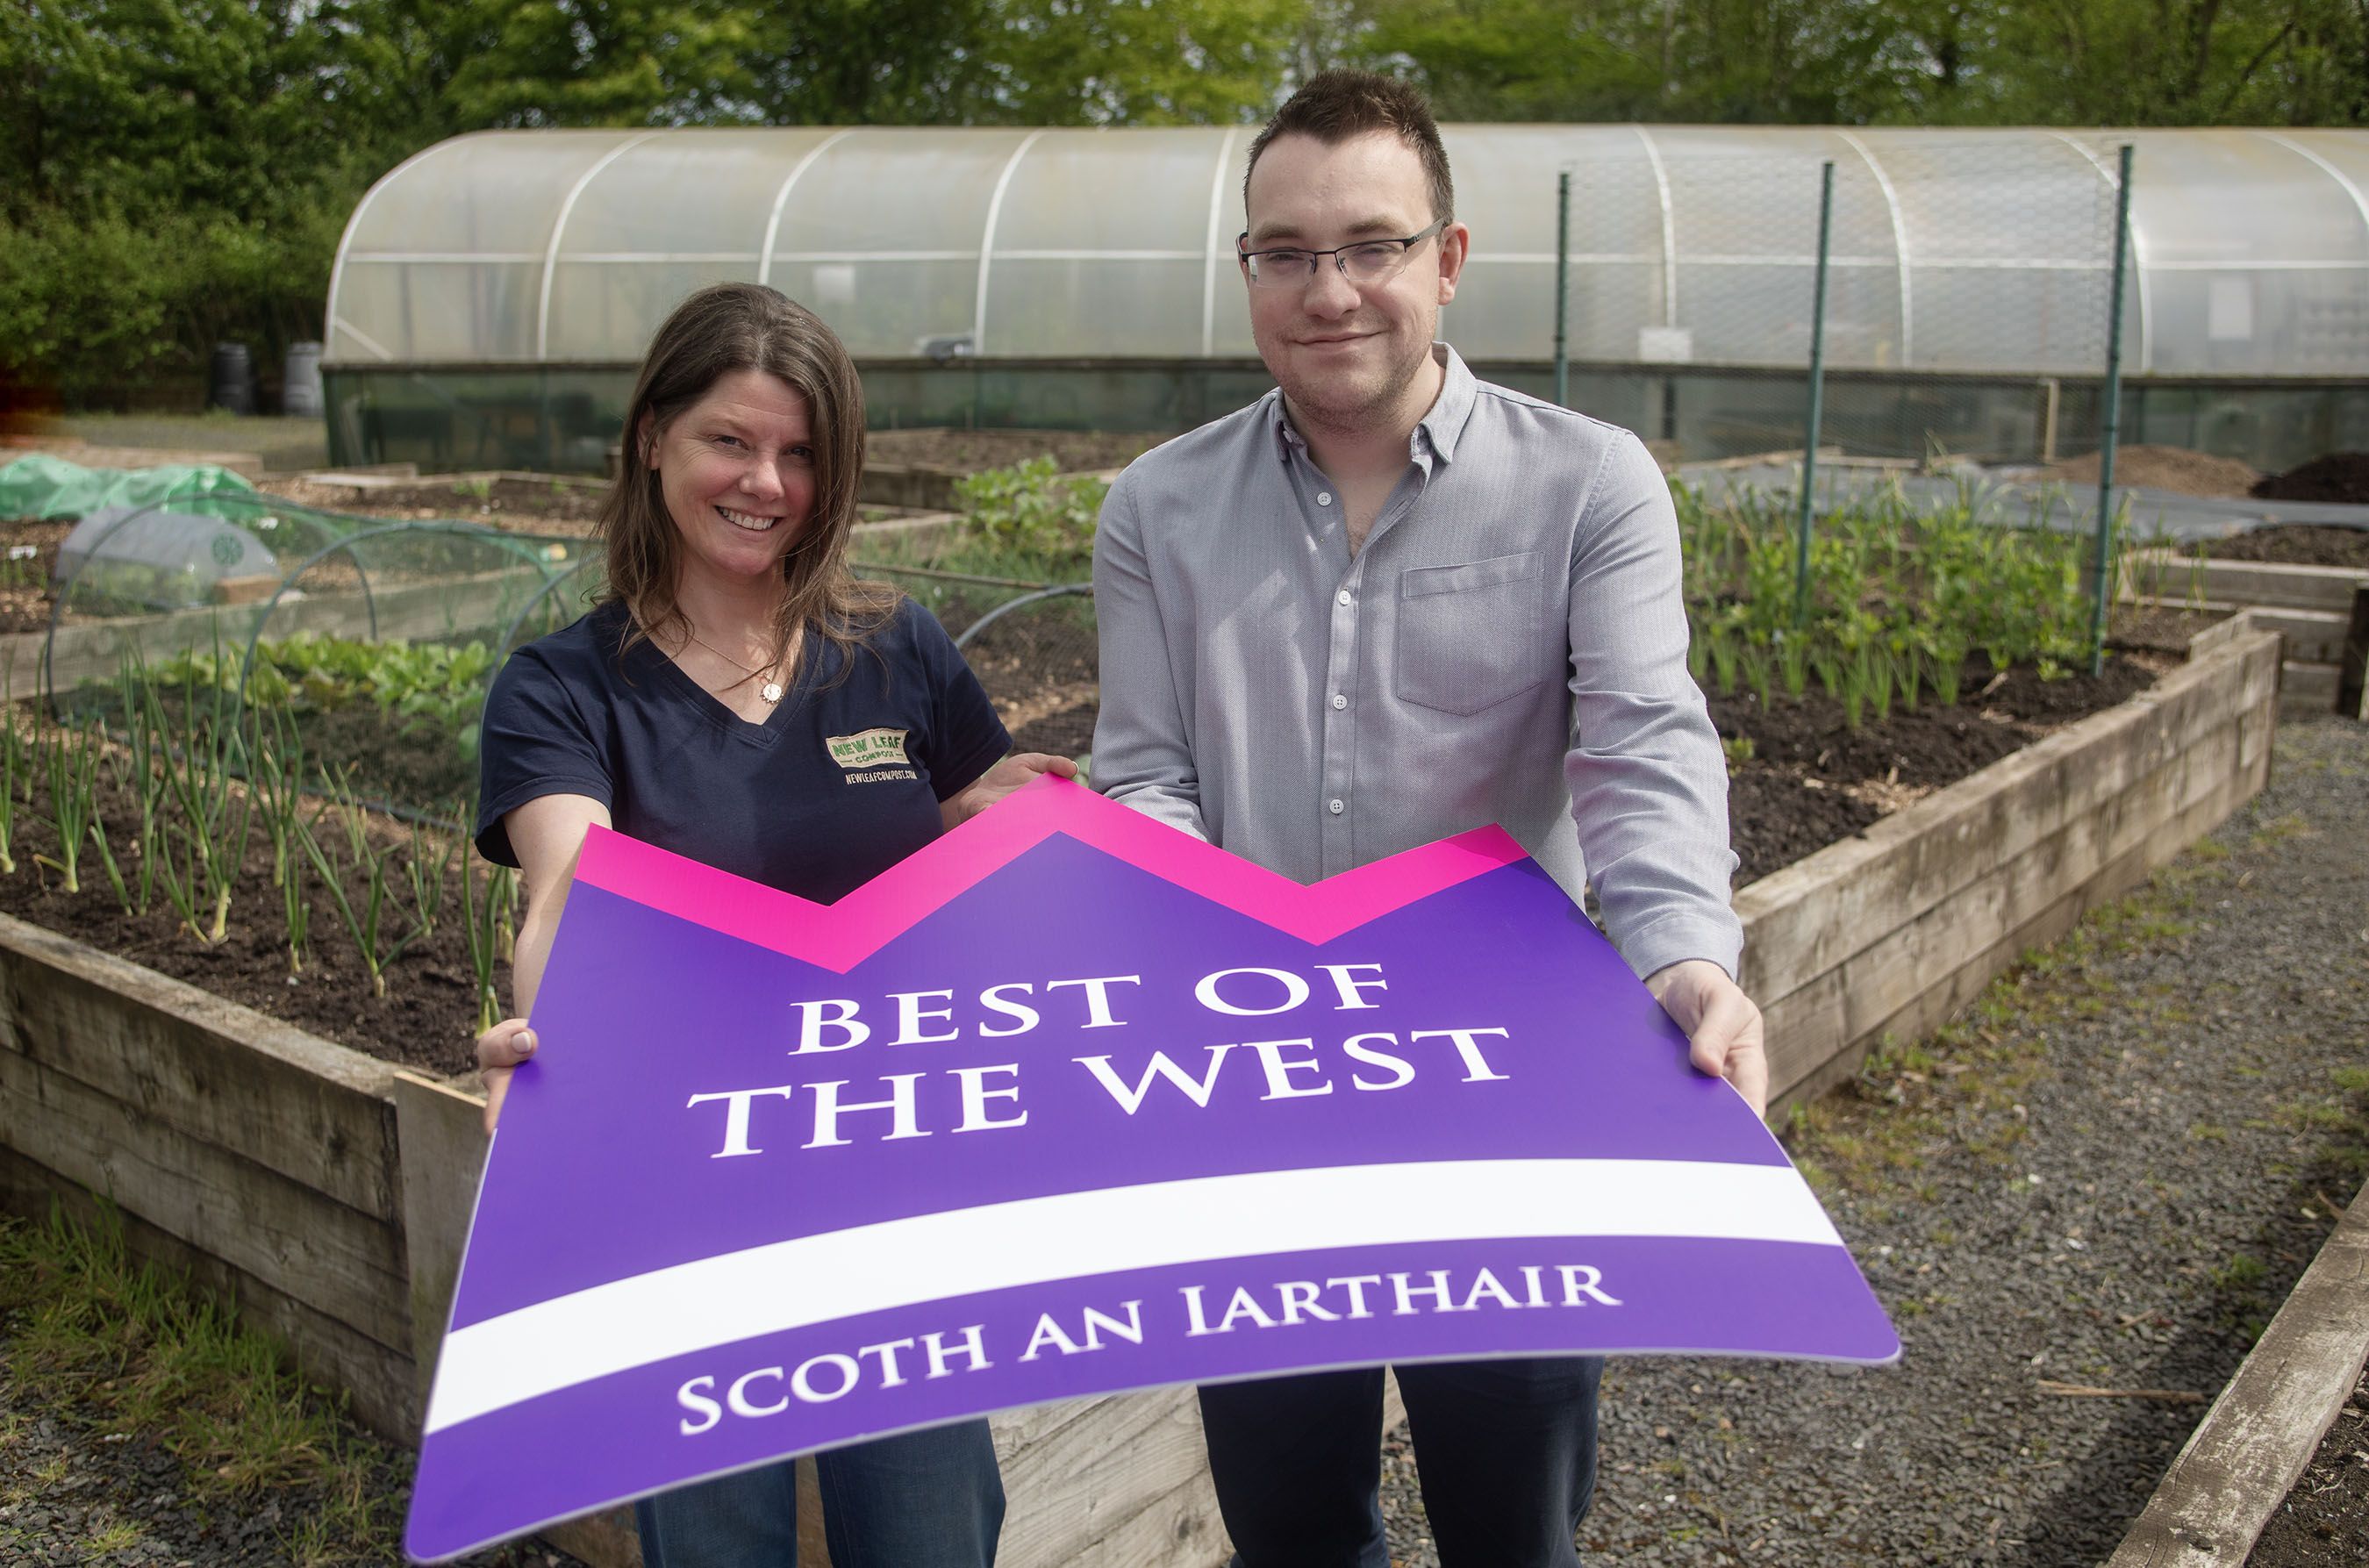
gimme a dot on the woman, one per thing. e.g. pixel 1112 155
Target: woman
pixel 694 709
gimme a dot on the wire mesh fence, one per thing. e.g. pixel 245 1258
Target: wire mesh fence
pixel 1967 302
pixel 1869 327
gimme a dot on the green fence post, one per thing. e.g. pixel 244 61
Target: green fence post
pixel 1817 397
pixel 2100 568
pixel 1563 290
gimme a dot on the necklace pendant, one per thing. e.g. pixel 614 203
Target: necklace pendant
pixel 771 692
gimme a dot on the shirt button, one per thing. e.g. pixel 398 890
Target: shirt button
pixel 1342 598
pixel 1336 807
pixel 1323 498
pixel 1339 702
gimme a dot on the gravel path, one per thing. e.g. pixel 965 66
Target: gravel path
pixel 2108 1175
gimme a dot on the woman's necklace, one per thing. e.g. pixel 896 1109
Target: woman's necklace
pixel 770 690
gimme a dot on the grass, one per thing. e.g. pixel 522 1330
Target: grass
pixel 113 1345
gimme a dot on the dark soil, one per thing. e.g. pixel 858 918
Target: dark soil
pixel 1074 452
pixel 2297 544
pixel 2172 469
pixel 2340 476
pixel 427 1020
pixel 2324 1522
pixel 1810 779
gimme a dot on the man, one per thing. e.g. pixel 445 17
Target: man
pixel 1386 603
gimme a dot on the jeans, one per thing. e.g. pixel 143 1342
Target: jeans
pixel 931 1499
pixel 1505 1452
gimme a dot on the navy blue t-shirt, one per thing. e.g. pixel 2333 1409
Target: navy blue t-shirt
pixel 841 780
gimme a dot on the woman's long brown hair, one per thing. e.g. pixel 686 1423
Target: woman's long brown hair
pixel 719 330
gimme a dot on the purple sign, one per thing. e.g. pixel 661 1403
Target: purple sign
pixel 1070 1102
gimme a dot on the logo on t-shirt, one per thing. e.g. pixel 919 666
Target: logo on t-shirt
pixel 871 748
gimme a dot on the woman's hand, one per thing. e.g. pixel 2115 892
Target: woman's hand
pixel 1022 768
pixel 501 1050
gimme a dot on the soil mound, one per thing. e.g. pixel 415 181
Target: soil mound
pixel 2297 544
pixel 2172 469
pixel 2340 476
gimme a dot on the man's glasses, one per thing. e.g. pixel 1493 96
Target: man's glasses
pixel 1368 261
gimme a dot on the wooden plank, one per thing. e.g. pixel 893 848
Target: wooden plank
pixel 2314 637
pixel 442 1133
pixel 324 1350
pixel 2310 689
pixel 1118 1479
pixel 1942 998
pixel 1805 919
pixel 2173 578
pixel 1875 986
pixel 2260 1434
pixel 314 1112
pixel 346 1264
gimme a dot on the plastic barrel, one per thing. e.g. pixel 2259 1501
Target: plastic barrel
pixel 232 383
pixel 300 386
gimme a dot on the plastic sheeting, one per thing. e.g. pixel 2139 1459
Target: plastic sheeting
pixel 41 486
pixel 1956 251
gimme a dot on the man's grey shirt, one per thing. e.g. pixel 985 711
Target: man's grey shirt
pixel 1509 647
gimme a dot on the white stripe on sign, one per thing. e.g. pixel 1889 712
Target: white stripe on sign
pixel 672 1312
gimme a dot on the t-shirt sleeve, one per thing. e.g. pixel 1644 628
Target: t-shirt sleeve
pixel 966 737
pixel 535 741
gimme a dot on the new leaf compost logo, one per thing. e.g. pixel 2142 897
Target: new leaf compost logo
pixel 871 748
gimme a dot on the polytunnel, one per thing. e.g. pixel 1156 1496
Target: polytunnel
pixel 492 294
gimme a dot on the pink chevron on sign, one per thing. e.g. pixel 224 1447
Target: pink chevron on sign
pixel 839 936
pixel 1070 1102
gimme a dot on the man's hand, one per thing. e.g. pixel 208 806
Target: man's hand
pixel 1000 780
pixel 1723 1027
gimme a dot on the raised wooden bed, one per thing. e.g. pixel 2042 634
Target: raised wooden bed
pixel 2323 613
pixel 2260 1434
pixel 1890 932
pixel 327 1192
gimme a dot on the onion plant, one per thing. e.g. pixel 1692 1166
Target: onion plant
pixel 215 810
pixel 428 866
pixel 368 866
pixel 12 762
pixel 73 789
pixel 481 918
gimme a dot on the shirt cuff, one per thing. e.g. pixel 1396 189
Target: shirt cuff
pixel 1672 940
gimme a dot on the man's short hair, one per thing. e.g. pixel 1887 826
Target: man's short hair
pixel 1337 104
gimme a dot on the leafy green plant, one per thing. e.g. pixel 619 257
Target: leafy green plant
pixel 1033 510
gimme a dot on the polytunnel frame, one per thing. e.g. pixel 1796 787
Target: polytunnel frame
pixel 551 584
pixel 767 254
pixel 64 591
pixel 504 542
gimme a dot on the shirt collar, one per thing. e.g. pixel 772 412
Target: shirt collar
pixel 1437 430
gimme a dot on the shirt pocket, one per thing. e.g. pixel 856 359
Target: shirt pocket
pixel 1468 634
